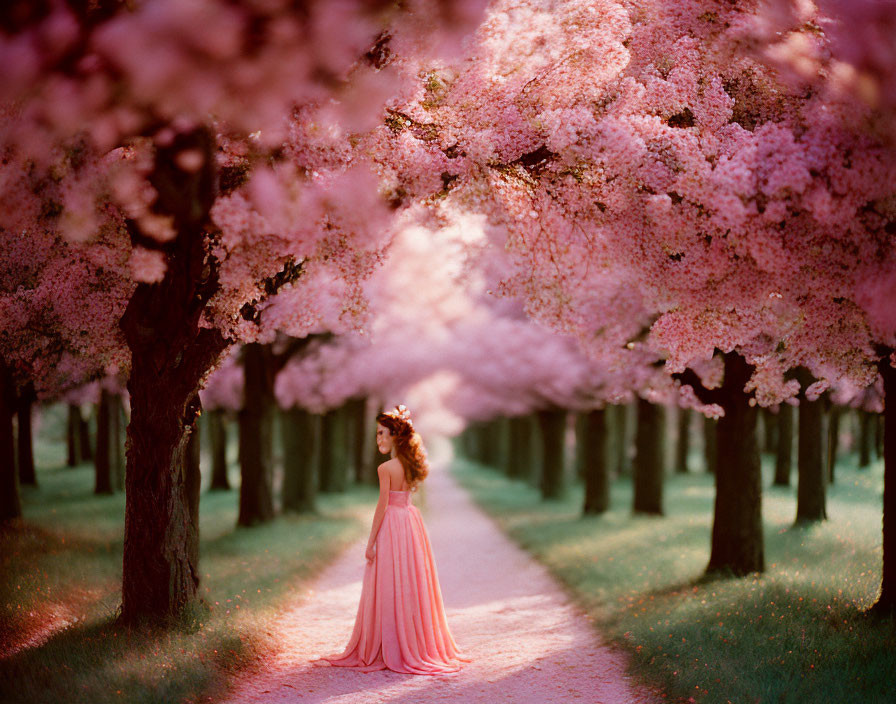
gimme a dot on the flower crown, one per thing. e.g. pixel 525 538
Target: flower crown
pixel 402 413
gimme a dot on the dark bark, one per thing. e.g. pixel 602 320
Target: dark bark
pixel 710 444
pixel 784 453
pixel 84 441
pixel 811 474
pixel 101 463
pixel 520 450
pixel 25 444
pixel 683 442
pixel 865 420
pixel 619 438
pixel 73 456
pixel 833 441
pixel 10 503
pixel 300 440
pixel 553 431
pixel 332 455
pixel 161 548
pixel 256 419
pixel 593 443
pixel 886 601
pixel 217 431
pixel 737 540
pixel 171 355
pixel 648 462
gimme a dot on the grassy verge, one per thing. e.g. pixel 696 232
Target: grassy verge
pixel 793 634
pixel 60 574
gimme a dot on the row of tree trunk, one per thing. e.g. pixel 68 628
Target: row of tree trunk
pixel 319 452
pixel 731 453
pixel 17 444
pixel 534 447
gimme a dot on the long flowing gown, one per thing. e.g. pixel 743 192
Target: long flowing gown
pixel 400 624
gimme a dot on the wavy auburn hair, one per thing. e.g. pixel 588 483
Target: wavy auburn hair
pixel 408 444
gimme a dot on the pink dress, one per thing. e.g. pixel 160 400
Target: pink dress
pixel 401 622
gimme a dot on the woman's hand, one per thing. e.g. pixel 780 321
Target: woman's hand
pixel 371 553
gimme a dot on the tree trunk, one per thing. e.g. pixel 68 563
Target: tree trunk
pixel 833 441
pixel 682 446
pixel 332 452
pixel 593 443
pixel 10 504
pixel 217 431
pixel 300 433
pixel 811 474
pixel 171 356
pixel 865 420
pixel 784 452
pixel 886 602
pixel 648 462
pixel 710 444
pixel 737 541
pixel 25 445
pixel 102 461
pixel 256 419
pixel 520 450
pixel 116 453
pixel 619 438
pixel 553 431
pixel 73 426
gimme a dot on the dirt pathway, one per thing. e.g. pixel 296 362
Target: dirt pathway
pixel 527 641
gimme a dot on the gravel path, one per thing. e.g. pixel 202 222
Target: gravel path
pixel 527 641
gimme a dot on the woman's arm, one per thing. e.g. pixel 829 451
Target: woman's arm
pixel 383 474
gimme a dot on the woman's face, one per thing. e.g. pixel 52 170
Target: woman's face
pixel 384 440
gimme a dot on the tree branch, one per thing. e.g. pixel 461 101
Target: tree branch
pixel 690 378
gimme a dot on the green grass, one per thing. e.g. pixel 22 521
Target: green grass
pixel 65 561
pixel 794 634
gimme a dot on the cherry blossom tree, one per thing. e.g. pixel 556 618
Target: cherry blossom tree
pixel 210 139
pixel 660 186
pixel 844 52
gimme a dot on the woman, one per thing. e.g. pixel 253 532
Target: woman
pixel 401 622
